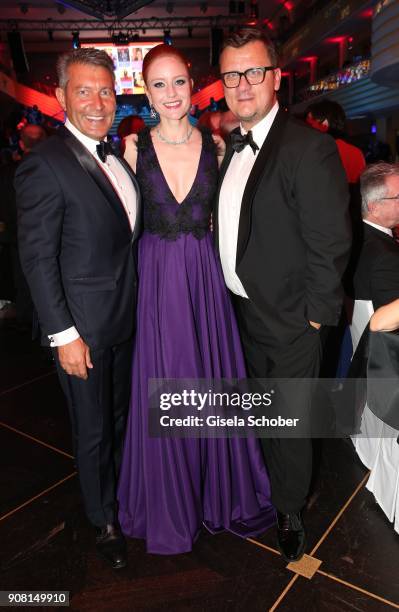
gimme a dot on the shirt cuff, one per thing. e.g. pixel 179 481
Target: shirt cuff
pixel 64 337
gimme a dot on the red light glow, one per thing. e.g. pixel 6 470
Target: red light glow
pixel 336 39
pixel 288 5
pixel 268 24
pixel 367 14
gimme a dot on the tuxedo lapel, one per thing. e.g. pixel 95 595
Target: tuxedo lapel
pixel 223 169
pixel 90 165
pixel 267 150
pixel 137 225
pixel 226 160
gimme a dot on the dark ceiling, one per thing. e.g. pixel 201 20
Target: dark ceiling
pixel 108 8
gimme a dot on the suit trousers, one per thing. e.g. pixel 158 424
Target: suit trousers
pixel 289 460
pixel 98 409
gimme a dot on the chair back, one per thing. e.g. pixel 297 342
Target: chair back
pixel 362 311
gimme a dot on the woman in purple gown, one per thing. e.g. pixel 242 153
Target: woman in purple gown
pixel 170 487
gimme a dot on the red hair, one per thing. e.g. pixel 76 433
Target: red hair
pixel 161 51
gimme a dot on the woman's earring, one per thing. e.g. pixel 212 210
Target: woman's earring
pixel 153 112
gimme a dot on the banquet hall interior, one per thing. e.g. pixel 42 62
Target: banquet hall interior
pixel 344 51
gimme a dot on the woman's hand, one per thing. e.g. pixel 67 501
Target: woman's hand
pixel 129 148
pixel 220 147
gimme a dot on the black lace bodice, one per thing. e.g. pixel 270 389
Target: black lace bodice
pixel 163 215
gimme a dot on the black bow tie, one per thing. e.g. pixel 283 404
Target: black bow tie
pixel 239 142
pixel 104 148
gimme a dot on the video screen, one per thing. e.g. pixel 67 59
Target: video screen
pixel 128 62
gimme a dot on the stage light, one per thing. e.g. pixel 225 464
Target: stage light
pixel 75 40
pixel 167 37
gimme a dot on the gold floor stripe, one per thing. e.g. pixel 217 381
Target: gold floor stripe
pixel 340 513
pixel 273 550
pixel 323 537
pixel 356 588
pixel 284 593
pixel 33 439
pixel 28 382
pixel 327 575
pixel 32 499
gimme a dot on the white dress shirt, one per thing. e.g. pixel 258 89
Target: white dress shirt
pixel 123 186
pixel 230 200
pixel 386 230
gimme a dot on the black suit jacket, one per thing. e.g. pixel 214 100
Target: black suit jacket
pixel 76 245
pixel 376 275
pixel 294 232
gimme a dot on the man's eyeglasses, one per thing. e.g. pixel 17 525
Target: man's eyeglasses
pixel 253 76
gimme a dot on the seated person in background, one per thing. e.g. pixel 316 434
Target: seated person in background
pixel 132 124
pixel 380 353
pixel 329 116
pixel 211 120
pixel 220 123
pixel 377 279
pixel 30 136
pixel 228 123
pixel 376 275
pixel 386 318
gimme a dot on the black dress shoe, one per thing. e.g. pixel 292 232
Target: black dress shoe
pixel 291 537
pixel 111 545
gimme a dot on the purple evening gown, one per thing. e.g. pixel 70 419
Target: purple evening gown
pixel 169 487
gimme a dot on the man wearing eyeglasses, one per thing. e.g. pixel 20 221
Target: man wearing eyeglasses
pixel 377 271
pixel 283 234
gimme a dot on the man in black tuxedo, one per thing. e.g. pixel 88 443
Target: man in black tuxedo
pixel 376 275
pixel 283 235
pixel 78 220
